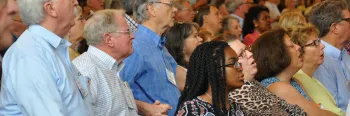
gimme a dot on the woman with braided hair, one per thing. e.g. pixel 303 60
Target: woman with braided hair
pixel 213 71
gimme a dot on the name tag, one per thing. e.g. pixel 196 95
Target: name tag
pixel 83 84
pixel 129 96
pixel 171 76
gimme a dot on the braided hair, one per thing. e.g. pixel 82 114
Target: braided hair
pixel 204 69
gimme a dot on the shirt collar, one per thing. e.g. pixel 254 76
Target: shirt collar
pixel 106 59
pixel 331 50
pixel 48 36
pixel 156 40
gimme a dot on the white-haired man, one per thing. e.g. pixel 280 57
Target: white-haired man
pixel 150 70
pixel 38 78
pixel 110 42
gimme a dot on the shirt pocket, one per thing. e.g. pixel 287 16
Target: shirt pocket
pixel 83 83
pixel 129 96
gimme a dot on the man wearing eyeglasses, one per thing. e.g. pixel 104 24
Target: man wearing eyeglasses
pixel 110 42
pixel 331 17
pixel 185 12
pixel 150 70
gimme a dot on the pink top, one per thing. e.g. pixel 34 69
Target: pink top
pixel 249 39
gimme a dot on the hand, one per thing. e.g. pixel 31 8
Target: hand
pixel 158 109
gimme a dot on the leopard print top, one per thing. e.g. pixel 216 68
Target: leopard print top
pixel 256 100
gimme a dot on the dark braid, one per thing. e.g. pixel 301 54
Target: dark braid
pixel 205 69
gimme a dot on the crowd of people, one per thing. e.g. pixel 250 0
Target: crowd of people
pixel 175 57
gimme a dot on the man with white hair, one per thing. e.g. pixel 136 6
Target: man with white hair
pixel 150 70
pixel 110 42
pixel 238 9
pixel 38 78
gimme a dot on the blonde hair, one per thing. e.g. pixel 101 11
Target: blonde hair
pixel 300 34
pixel 291 19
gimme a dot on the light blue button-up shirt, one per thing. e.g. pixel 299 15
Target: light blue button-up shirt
pixel 38 78
pixel 334 75
pixel 145 70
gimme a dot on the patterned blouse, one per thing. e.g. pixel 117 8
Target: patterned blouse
pixel 256 100
pixel 199 107
pixel 268 81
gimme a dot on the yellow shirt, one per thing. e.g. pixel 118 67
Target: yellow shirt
pixel 318 93
pixel 72 54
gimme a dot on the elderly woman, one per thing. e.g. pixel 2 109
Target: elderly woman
pixel 213 71
pixel 278 59
pixel 231 25
pixel 306 36
pixel 256 22
pixel 254 98
pixel 182 39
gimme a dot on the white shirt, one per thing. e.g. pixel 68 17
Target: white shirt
pixel 110 96
pixel 274 12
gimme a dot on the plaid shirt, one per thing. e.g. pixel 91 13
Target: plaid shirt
pixel 131 23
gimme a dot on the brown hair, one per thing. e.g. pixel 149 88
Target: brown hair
pixel 270 54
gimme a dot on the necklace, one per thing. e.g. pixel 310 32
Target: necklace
pixel 208 95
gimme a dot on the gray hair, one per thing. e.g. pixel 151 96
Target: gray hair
pixel 32 11
pixel 226 22
pixel 141 10
pixel 128 6
pixel 100 23
pixel 232 5
pixel 325 13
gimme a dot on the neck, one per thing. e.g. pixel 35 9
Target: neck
pixel 55 27
pixel 211 30
pixel 309 69
pixel 208 95
pixel 334 41
pixel 158 29
pixel 110 52
pixel 286 75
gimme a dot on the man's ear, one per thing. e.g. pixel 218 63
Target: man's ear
pixel 334 28
pixel 151 10
pixel 50 9
pixel 107 39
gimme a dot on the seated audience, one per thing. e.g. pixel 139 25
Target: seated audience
pixel 182 39
pixel 256 22
pixel 128 6
pixel 213 71
pixel 334 72
pixel 184 11
pixel 278 59
pixel 110 42
pixel 209 19
pixel 290 6
pixel 313 55
pixel 258 100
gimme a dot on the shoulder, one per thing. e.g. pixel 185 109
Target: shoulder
pixel 282 88
pixel 193 107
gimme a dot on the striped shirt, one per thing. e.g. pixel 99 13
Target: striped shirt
pixel 110 96
pixel 131 23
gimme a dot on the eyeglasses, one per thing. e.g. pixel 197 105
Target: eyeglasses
pixel 243 53
pixel 345 19
pixel 124 32
pixel 314 43
pixel 235 64
pixel 170 4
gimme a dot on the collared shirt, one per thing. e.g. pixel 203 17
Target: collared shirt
pixel 148 70
pixel 334 75
pixel 38 78
pixel 273 10
pixel 131 23
pixel 110 96
pixel 318 92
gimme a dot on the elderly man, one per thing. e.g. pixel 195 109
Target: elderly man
pixel 150 70
pixel 333 73
pixel 110 42
pixel 38 78
pixel 185 12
